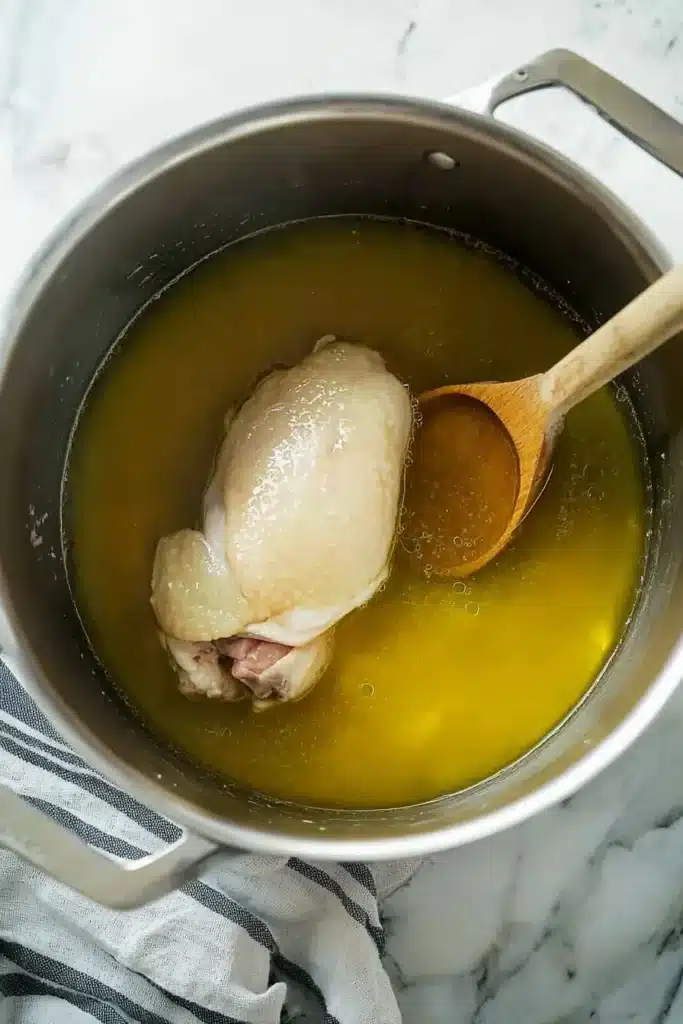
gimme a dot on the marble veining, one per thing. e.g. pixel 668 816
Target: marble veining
pixel 576 916
pixel 575 913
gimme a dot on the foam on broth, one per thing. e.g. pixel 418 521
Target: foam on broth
pixel 434 685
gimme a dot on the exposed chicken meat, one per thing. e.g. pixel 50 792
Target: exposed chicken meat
pixel 299 524
pixel 251 657
pixel 232 669
pixel 202 670
pixel 274 672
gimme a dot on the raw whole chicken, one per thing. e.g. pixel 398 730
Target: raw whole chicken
pixel 298 528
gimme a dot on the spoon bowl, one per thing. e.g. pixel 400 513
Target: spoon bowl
pixel 531 411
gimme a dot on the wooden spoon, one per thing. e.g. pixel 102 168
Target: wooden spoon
pixel 530 411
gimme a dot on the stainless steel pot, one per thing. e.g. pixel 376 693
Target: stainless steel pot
pixel 154 220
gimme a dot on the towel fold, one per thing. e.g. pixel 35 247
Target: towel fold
pixel 254 940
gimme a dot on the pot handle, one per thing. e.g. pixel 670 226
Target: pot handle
pixel 647 125
pixel 43 842
pixel 109 881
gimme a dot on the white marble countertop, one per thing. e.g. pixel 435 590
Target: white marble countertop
pixel 574 916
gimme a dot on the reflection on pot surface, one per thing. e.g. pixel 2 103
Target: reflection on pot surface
pixel 433 685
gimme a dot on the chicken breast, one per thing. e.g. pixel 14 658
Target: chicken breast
pixel 298 529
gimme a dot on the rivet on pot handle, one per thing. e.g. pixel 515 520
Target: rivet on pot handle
pixel 113 883
pixel 647 125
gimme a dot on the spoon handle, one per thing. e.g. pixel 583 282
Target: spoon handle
pixel 647 322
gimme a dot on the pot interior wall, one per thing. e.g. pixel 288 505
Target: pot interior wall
pixel 204 192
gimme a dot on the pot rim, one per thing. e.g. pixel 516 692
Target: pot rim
pixel 26 292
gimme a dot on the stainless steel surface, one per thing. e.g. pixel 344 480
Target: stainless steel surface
pixel 7 643
pixel 113 883
pixel 641 121
pixel 360 155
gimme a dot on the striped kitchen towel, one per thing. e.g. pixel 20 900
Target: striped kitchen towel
pixel 259 940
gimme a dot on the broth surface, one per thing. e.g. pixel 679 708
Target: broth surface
pixel 434 685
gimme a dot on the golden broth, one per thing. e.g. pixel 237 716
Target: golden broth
pixel 434 685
